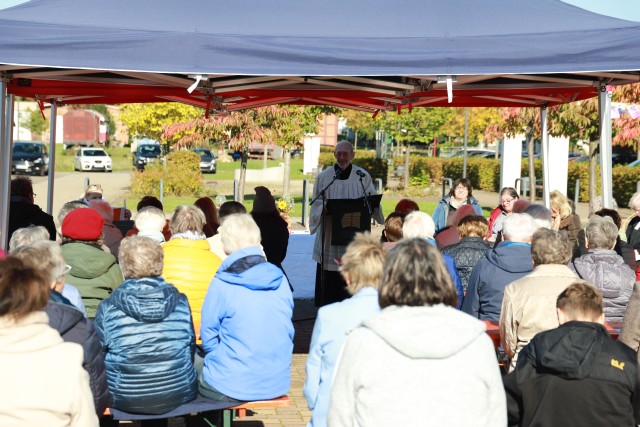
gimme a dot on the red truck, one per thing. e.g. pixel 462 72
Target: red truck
pixel 83 128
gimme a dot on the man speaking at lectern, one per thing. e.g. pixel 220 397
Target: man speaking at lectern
pixel 343 181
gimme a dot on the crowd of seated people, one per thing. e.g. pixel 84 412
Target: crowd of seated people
pixel 121 326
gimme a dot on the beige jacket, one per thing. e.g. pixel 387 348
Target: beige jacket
pixel 529 306
pixel 43 382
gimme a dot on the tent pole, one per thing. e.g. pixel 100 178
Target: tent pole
pixel 466 139
pixel 7 146
pixel 604 113
pixel 52 155
pixel 5 166
pixel 545 155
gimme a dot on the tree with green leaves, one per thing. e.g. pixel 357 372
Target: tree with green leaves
pixel 149 120
pixel 36 124
pixel 361 123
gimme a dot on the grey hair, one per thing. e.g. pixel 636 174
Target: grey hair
pixel 44 256
pixel 519 227
pixel 601 232
pixel 418 225
pixel 27 235
pixel 239 231
pixel 540 214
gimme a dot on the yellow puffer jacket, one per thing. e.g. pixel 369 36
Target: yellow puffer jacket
pixel 189 265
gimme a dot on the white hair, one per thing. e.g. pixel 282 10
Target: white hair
pixel 27 235
pixel 418 225
pixel 239 231
pixel 103 208
pixel 149 219
pixel 519 227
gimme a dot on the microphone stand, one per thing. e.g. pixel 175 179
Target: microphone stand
pixel 366 198
pixel 322 219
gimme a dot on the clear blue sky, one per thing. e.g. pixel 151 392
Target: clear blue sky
pixel 623 9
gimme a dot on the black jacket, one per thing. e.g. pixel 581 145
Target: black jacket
pixel 23 213
pixel 466 254
pixel 275 236
pixel 73 327
pixel 574 375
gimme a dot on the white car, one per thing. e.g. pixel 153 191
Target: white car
pixel 91 159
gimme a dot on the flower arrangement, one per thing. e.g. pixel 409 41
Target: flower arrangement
pixel 285 205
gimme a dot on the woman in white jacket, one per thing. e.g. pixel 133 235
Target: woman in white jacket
pixel 420 361
pixel 43 382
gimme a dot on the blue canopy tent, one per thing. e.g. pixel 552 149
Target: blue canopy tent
pixel 369 55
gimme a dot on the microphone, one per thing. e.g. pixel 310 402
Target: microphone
pixel 360 173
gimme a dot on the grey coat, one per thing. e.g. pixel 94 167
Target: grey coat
pixel 609 273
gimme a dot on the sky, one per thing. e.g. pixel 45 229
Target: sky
pixel 623 9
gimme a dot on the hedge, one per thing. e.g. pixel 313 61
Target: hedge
pixel 181 174
pixel 377 168
pixel 484 174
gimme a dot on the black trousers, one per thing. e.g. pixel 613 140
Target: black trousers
pixel 334 289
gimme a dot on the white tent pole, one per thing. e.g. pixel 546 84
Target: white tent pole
pixel 466 138
pixel 5 167
pixel 604 112
pixel 545 155
pixel 52 156
pixel 6 163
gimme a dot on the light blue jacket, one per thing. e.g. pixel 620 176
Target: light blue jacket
pixel 246 328
pixel 442 211
pixel 333 323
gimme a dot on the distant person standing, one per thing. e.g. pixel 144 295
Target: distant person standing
pixel 343 181
pixel 459 195
pixel 23 211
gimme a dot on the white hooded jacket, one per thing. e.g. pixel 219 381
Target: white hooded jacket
pixel 430 365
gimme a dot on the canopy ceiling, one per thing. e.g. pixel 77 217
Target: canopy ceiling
pixel 363 54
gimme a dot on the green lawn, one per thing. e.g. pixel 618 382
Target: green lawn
pixel 226 170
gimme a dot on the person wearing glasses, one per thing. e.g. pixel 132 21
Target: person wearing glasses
pixel 64 317
pixel 459 195
pixel 508 197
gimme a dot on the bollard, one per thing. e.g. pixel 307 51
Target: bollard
pixel 576 196
pixel 86 184
pixel 162 191
pixel 638 187
pixel 378 185
pixel 235 190
pixel 444 181
pixel 305 201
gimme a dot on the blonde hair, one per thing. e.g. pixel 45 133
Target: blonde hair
pixel 473 226
pixel 363 262
pixel 559 202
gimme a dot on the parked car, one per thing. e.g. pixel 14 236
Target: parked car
pixel 145 154
pixel 473 152
pixel 207 160
pixel 30 158
pixel 92 159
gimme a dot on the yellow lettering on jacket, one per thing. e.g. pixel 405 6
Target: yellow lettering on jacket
pixel 617 364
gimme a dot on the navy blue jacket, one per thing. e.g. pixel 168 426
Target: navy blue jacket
pixel 500 266
pixel 146 329
pixel 74 327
